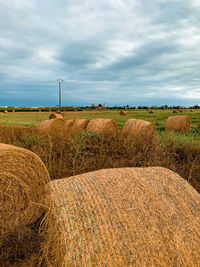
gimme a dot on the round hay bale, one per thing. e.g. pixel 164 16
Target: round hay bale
pixel 13 110
pixel 137 127
pixel 69 125
pixel 122 217
pixel 151 111
pixel 180 110
pixel 102 126
pixel 58 112
pixel 23 177
pixel 122 113
pixel 175 111
pixel 53 127
pixel 5 111
pixel 191 110
pixel 178 124
pixel 55 116
pixel 78 125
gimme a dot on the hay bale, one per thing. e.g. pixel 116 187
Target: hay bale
pixel 178 124
pixel 175 111
pixel 52 127
pixel 123 217
pixel 23 177
pixel 122 113
pixel 55 116
pixel 191 110
pixel 79 125
pixel 5 111
pixel 180 110
pixel 102 126
pixel 69 125
pixel 13 110
pixel 139 127
pixel 58 112
pixel 151 111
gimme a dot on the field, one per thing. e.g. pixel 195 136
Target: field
pixel 159 118
pixel 65 156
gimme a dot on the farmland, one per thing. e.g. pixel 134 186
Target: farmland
pixel 66 155
pixel 159 118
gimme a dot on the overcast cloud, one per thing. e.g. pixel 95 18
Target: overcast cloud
pixel 117 51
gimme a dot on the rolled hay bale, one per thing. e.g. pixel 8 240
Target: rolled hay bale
pixel 102 126
pixel 151 111
pixel 69 125
pixel 58 112
pixel 39 110
pixel 180 110
pixel 79 125
pixel 122 113
pixel 54 127
pixel 178 124
pixel 191 110
pixel 175 111
pixel 139 127
pixel 122 217
pixel 13 110
pixel 23 177
pixel 5 111
pixel 55 116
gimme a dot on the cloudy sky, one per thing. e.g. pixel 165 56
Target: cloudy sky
pixel 135 52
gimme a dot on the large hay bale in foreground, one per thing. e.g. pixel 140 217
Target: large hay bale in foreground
pixel 55 116
pixel 102 126
pixel 54 127
pixel 23 177
pixel 122 113
pixel 139 127
pixel 123 217
pixel 69 125
pixel 178 124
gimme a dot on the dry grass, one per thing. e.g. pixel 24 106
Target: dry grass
pixel 177 124
pixel 122 217
pixel 23 177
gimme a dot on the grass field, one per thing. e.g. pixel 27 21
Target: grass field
pixel 159 118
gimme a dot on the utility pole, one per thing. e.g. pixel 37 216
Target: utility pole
pixel 59 85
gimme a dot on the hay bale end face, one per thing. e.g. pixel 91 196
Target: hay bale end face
pixel 122 113
pixel 55 116
pixel 117 217
pixel 23 177
pixel 178 124
pixel 102 126
pixel 54 127
pixel 138 127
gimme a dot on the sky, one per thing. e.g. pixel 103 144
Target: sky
pixel 122 52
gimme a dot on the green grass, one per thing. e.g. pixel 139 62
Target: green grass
pixel 159 118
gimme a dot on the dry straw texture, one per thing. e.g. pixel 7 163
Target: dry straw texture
pixel 122 112
pixel 5 111
pixel 175 111
pixel 79 125
pixel 177 124
pixel 53 127
pixel 22 180
pixel 123 217
pixel 103 126
pixel 55 116
pixel 138 127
